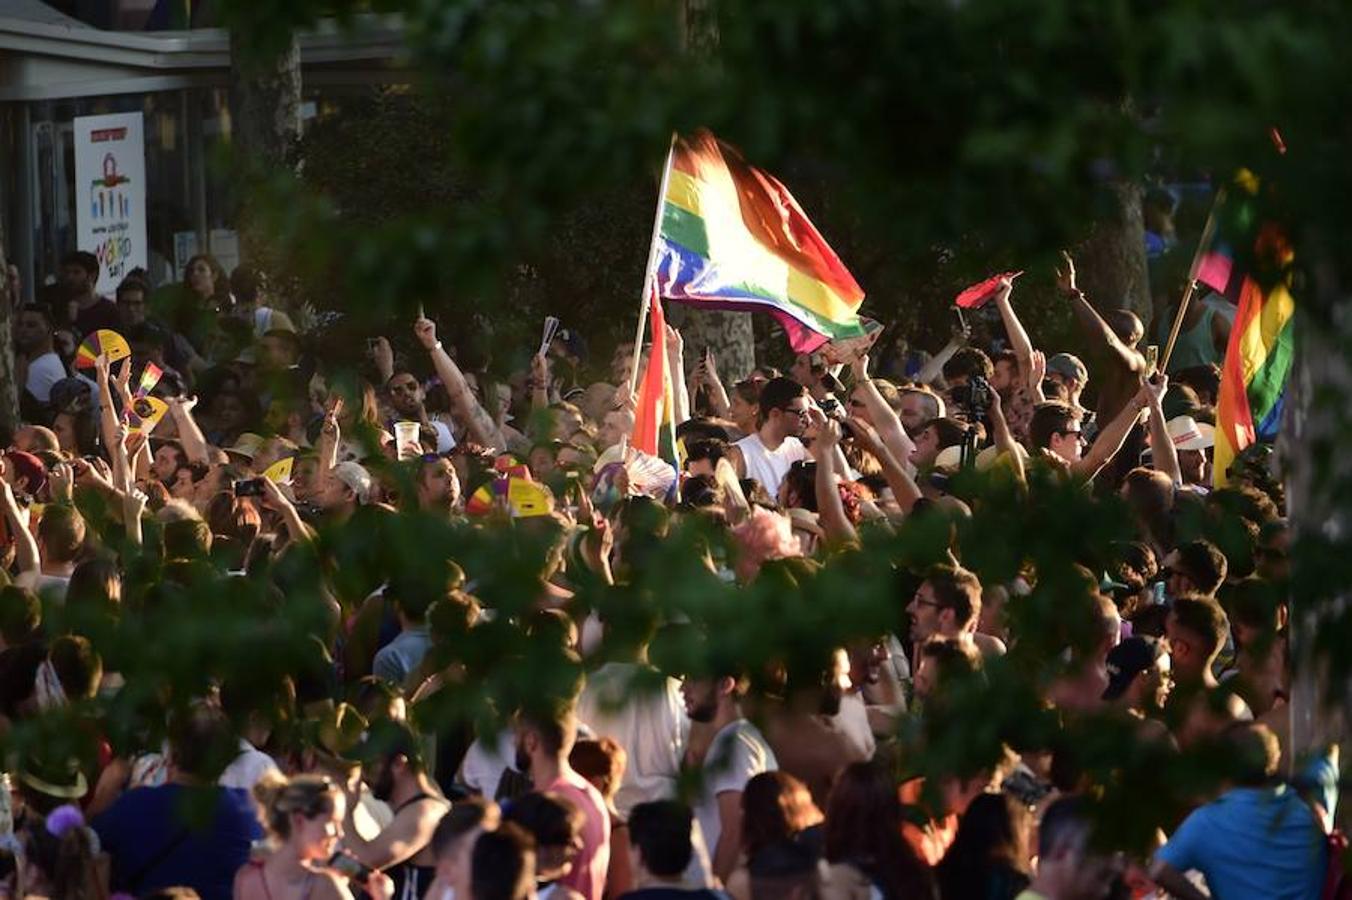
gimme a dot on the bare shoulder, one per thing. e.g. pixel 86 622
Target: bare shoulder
pixel 329 886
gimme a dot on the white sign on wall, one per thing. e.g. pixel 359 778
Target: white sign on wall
pixel 110 194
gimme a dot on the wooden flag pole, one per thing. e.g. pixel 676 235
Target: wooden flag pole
pixel 1203 246
pixel 1178 326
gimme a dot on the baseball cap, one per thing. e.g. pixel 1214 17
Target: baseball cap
pixel 1129 659
pixel 1068 366
pixel 356 478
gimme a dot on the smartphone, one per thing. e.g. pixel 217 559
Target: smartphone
pixel 1152 358
pixel 249 487
pixel 348 865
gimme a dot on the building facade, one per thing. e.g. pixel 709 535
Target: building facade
pixel 56 67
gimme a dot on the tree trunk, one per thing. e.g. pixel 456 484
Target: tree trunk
pixel 1112 259
pixel 728 334
pixel 9 390
pixel 265 107
pixel 1318 472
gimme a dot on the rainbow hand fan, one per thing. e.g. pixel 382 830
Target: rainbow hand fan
pixel 104 342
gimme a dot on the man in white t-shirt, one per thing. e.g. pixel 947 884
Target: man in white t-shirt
pixel 737 752
pixel 650 724
pixel 767 454
pixel 38 364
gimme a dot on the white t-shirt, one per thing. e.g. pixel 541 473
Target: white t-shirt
pixel 44 372
pixel 737 753
pixel 485 761
pixel 651 727
pixel 770 466
pixel 248 768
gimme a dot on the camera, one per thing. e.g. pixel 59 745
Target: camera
pixel 974 398
pixel 249 487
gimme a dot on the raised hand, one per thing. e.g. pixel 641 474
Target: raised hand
pixel 425 330
pixel 1037 369
pixel 1065 274
pixel 860 367
pixel 61 482
pixel 383 355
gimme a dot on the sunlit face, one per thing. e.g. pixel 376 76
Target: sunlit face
pixel 438 486
pixel 64 426
pixel 859 408
pixel 926 613
pixel 317 839
pixel 304 477
pixel 166 461
pixel 914 412
pixel 742 412
pixel 1068 443
pixel 1005 376
pixel 405 394
pixel 615 426
pixel 567 422
pixel 701 698
pixel 926 447
pixel 792 419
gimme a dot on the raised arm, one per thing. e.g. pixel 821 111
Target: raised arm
pixel 189 434
pixel 706 374
pixel 478 423
pixel 330 436
pixel 931 371
pixel 25 547
pixel 275 500
pixel 539 382
pixel 1097 330
pixel 1111 438
pixel 825 435
pixel 899 479
pixel 676 366
pixel 1019 341
pixel 1163 453
pixel 1003 438
pixel 890 430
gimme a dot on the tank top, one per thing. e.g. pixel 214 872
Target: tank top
pixel 1195 346
pixel 770 466
pixel 411 882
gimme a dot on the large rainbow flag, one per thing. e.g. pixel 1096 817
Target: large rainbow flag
pixel 1258 357
pixel 733 237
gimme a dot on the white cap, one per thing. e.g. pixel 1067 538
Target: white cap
pixel 356 478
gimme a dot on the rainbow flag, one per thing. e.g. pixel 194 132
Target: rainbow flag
pixel 733 237
pixel 655 413
pixel 1258 357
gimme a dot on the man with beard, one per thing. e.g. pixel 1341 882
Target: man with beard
pixel 438 486
pixel 736 753
pixel 394 771
pixel 811 737
pixel 544 739
pixel 768 454
pixel 409 404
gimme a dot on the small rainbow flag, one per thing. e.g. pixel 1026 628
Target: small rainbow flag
pixel 733 237
pixel 655 413
pixel 1259 355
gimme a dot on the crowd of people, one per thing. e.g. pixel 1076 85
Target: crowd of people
pixel 383 619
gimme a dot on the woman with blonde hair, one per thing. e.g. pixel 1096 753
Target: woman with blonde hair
pixel 304 820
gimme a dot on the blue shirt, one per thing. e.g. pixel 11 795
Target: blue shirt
pixel 1257 842
pixel 145 834
pixel 402 655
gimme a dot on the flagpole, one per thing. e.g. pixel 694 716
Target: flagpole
pixel 1203 245
pixel 650 271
